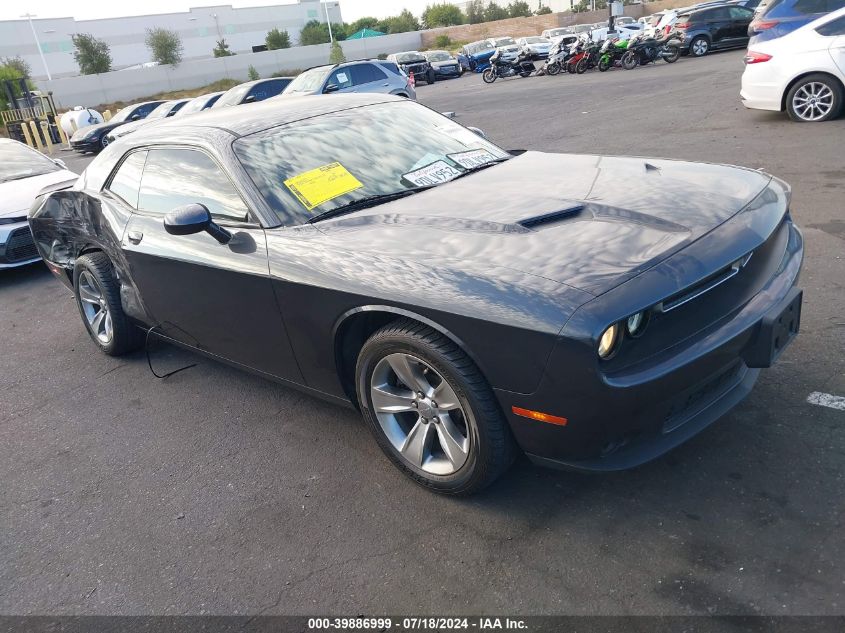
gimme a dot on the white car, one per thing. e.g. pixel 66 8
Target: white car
pixel 23 174
pixel 537 47
pixel 802 72
pixel 507 47
pixel 552 34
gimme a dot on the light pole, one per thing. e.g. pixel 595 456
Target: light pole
pixel 329 22
pixel 29 16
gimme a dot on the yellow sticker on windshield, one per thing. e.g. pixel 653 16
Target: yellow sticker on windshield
pixel 320 185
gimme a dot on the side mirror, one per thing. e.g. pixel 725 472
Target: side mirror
pixel 477 131
pixel 249 99
pixel 192 219
pixel 331 88
pixel 135 117
pixel 60 163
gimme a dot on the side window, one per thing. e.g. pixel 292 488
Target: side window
pixel 176 108
pixel 834 27
pixel 740 13
pixel 365 73
pixel 176 177
pixel 267 89
pixel 808 7
pixel 390 67
pixel 717 15
pixel 127 179
pixel 341 77
pixel 144 110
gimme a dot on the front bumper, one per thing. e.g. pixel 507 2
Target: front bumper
pixel 86 145
pixel 447 72
pixel 17 248
pixel 620 420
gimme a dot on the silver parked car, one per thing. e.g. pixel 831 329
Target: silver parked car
pixel 358 76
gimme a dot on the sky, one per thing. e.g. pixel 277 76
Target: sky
pixel 90 9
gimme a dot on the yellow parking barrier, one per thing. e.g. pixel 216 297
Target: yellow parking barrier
pixel 107 115
pixel 45 128
pixel 35 135
pixel 62 134
pixel 74 125
pixel 26 135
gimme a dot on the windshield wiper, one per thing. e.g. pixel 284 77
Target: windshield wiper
pixel 364 203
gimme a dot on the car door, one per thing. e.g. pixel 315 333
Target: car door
pixel 835 30
pixel 369 78
pixel 718 21
pixel 215 297
pixel 740 19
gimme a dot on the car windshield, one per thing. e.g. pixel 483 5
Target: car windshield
pixel 300 175
pixel 233 96
pixel 161 111
pixel 408 58
pixel 309 81
pixel 480 47
pixel 123 114
pixel 438 56
pixel 18 162
pixel 194 105
pixel 504 41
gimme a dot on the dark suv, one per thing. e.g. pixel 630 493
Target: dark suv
pixel 712 28
pixel 416 63
pixel 252 91
pixel 784 16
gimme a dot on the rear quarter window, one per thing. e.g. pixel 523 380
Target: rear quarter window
pixel 393 68
pixel 834 27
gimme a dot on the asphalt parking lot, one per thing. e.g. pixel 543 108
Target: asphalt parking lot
pixel 217 492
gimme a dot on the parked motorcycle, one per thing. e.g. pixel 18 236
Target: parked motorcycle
pixel 558 56
pixel 588 58
pixel 611 53
pixel 500 68
pixel 644 51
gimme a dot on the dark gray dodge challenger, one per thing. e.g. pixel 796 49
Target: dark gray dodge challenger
pixel 593 312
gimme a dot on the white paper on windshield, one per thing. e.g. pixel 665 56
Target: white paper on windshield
pixel 473 158
pixel 436 173
pixel 342 78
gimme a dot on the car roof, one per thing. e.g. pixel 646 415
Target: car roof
pixel 241 121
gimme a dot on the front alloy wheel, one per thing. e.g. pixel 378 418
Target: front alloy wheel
pixel 104 141
pixel 430 409
pixel 489 76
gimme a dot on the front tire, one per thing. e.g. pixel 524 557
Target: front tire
pixel 430 78
pixel 431 410
pixel 489 76
pixel 98 299
pixel 672 54
pixel 814 98
pixel 553 68
pixel 629 61
pixel 581 66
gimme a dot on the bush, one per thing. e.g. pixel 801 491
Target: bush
pixel 222 49
pixel 442 41
pixel 252 73
pixel 382 56
pixel 336 56
pixel 277 39
pixel 543 11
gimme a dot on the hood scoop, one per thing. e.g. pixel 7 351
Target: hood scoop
pixel 551 217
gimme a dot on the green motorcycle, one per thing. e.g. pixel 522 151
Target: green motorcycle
pixel 611 53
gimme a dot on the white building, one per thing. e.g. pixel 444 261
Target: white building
pixel 199 29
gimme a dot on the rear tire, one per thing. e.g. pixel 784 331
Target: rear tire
pixel 97 295
pixel 699 46
pixel 581 66
pixel 828 95
pixel 673 53
pixel 484 448
pixel 489 76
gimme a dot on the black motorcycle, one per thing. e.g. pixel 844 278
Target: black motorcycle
pixel 500 68
pixel 650 50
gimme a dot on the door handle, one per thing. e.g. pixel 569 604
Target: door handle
pixel 385 84
pixel 135 236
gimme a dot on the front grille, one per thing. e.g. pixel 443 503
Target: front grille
pixel 20 246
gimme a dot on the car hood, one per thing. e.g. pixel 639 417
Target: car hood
pixel 17 196
pixel 128 128
pixel 108 126
pixel 590 222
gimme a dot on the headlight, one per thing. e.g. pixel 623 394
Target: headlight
pixel 636 324
pixel 608 341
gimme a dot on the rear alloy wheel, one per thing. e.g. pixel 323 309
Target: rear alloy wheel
pixel 98 298
pixel 431 410
pixel 699 46
pixel 814 98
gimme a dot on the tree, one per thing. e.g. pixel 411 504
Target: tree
pixel 9 71
pixel 405 22
pixel 19 64
pixel 474 11
pixel 581 7
pixel 494 12
pixel 92 55
pixel 316 32
pixel 519 9
pixel 336 56
pixel 543 10
pixel 362 23
pixel 252 74
pixel 222 49
pixel 277 39
pixel 441 15
pixel 165 46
